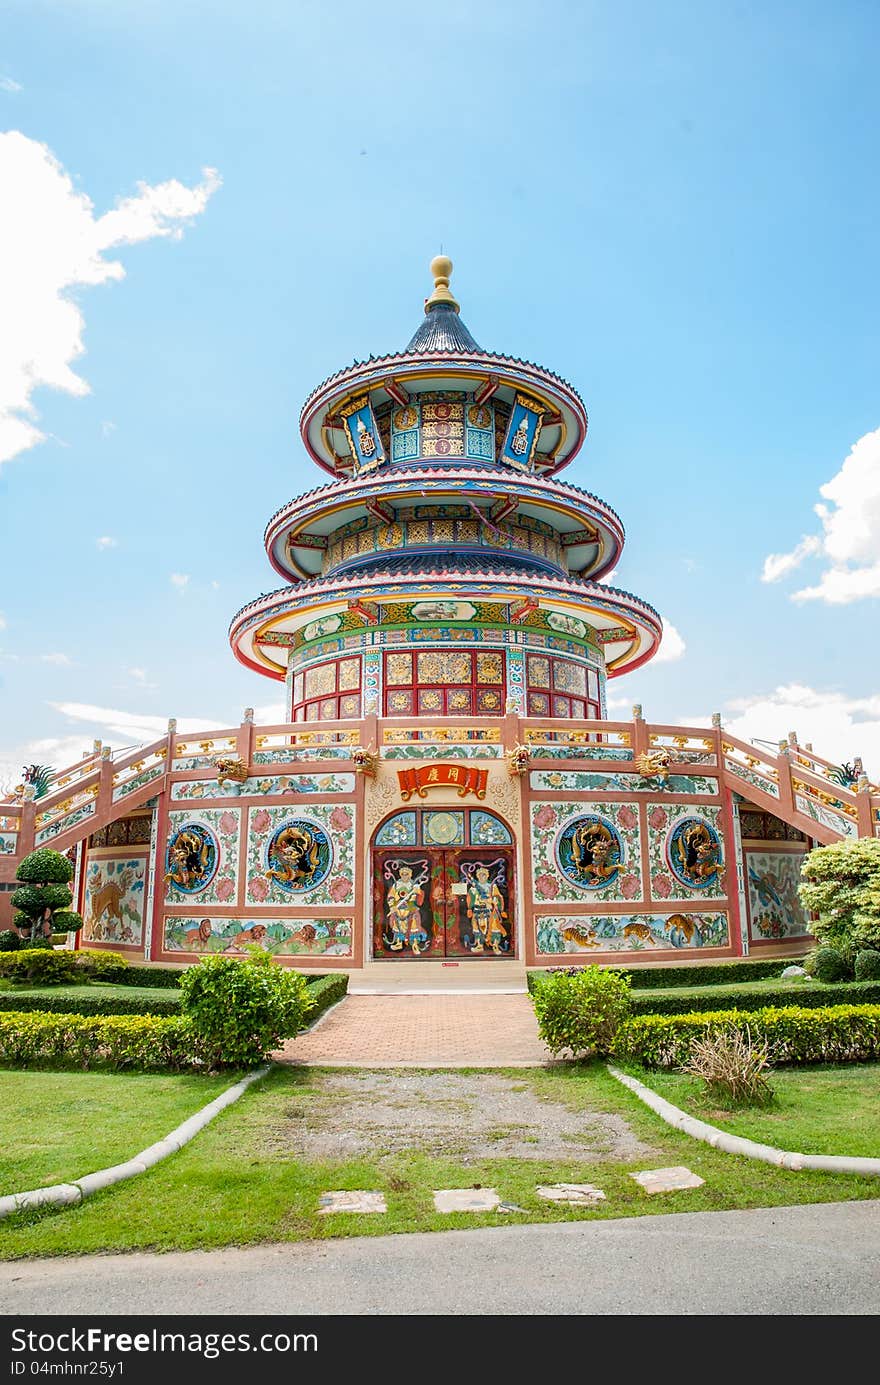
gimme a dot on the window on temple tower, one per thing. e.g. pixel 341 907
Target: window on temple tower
pixel 561 688
pixel 445 682
pixel 328 691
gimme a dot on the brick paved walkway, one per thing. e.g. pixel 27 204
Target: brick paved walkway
pixel 419 1031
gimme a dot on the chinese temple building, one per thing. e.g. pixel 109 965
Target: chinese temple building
pixel 446 785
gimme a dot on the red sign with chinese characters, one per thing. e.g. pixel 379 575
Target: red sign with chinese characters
pixel 419 778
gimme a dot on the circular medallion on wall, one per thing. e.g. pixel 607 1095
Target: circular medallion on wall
pixel 191 858
pixel 299 855
pixel 693 851
pixel 589 852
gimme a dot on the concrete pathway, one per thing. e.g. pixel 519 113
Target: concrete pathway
pixel 817 1260
pixel 473 1030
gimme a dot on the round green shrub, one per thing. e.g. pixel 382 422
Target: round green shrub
pixel 867 966
pixel 582 1013
pixel 66 921
pixel 241 1010
pixel 828 964
pixel 9 940
pixel 45 866
pixel 101 963
pixel 33 899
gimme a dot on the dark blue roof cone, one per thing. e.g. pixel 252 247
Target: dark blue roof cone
pixel 442 329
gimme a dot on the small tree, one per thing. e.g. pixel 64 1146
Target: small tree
pixel 581 1013
pixel 43 878
pixel 841 883
pixel 241 1010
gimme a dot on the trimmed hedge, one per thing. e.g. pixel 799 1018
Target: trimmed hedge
pixel 699 974
pixel 802 994
pixel 831 1034
pixel 90 1001
pixel 160 977
pixel 324 991
pixel 138 1043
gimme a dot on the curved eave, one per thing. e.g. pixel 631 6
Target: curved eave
pixel 565 440
pixel 555 496
pixel 588 600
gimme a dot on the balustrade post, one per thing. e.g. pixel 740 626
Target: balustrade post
pixel 864 810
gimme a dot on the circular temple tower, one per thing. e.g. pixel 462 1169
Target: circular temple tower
pixel 444 571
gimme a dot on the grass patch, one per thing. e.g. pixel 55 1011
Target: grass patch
pixel 234 1185
pixel 58 1126
pixel 827 1110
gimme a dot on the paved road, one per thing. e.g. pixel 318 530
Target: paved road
pixel 821 1259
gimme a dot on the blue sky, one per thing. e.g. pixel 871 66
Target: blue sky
pixel 674 206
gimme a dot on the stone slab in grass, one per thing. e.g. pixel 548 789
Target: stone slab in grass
pixel 576 1194
pixel 668 1180
pixel 466 1199
pixel 351 1200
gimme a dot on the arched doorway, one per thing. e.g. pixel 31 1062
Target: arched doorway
pixel 443 885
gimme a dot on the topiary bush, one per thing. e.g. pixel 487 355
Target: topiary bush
pixel 867 965
pixel 582 1013
pixel 45 867
pixel 66 921
pixel 241 1010
pixel 9 940
pixel 828 964
pixel 33 899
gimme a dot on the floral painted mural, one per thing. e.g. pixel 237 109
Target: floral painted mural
pixel 207 879
pixel 313 937
pixel 561 780
pixel 190 790
pixel 114 900
pixel 630 933
pixel 775 909
pixel 325 831
pixel 685 852
pixel 564 834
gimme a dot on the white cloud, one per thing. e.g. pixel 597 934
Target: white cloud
pixel 129 727
pixel 778 565
pixel 215 586
pixel 62 660
pixel 108 427
pixel 839 727
pixel 179 580
pixel 138 674
pixel 672 646
pixel 9 84
pixel 105 541
pixel 270 714
pixel 850 538
pixel 50 243
pixel 2 621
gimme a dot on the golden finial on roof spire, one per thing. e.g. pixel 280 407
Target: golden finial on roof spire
pixel 441 268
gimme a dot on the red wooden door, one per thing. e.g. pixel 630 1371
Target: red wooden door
pixel 443 902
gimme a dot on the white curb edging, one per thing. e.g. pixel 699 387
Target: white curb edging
pixel 66 1193
pixel 736 1144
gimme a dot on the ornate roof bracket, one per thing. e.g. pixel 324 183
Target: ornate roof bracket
pixel 504 507
pixel 485 391
pixel 396 390
pixel 525 608
pixel 380 509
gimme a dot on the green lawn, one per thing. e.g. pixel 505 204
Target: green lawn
pixel 57 1126
pixel 236 1184
pixel 827 1110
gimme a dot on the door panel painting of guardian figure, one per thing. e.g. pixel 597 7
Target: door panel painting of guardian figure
pixel 406 924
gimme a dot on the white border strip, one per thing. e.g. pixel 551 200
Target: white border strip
pixel 735 1144
pixel 63 1194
